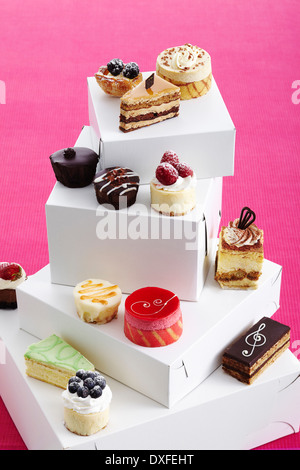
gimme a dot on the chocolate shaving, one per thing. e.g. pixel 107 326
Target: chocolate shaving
pixel 247 218
pixel 149 81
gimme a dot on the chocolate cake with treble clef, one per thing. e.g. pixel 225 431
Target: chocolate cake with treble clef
pixel 256 350
pixel 116 186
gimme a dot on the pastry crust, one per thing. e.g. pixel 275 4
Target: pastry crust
pixel 97 300
pixel 115 85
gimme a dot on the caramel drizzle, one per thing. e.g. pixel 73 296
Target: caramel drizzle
pixel 97 293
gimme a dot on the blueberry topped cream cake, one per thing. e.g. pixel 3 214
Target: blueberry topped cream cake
pixel 240 254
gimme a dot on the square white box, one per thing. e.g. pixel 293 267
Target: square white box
pixel 221 413
pixel 203 135
pixel 165 374
pixel 132 247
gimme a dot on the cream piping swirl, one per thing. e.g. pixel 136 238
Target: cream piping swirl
pixel 184 58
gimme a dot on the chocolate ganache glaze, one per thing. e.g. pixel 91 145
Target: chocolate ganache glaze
pixel 116 186
pixel 74 167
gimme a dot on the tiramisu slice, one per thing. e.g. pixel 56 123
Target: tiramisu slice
pixel 240 254
pixel 152 101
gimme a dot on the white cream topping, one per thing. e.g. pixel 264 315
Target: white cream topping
pixel 238 237
pixel 87 405
pixel 179 185
pixel 6 284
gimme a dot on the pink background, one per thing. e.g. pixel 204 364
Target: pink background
pixel 46 53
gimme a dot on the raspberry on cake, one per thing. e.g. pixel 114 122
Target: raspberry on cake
pixel 11 276
pixel 152 101
pixel 240 255
pixel 97 301
pixel 173 190
pixel 153 317
pixel 86 403
pixel 116 186
pixel 188 67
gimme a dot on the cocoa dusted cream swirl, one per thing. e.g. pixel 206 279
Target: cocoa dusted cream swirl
pixel 239 237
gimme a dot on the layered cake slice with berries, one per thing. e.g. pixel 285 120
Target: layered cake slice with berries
pixel 54 361
pixel 11 276
pixel 240 255
pixel 153 317
pixel 173 189
pixel 150 102
pixel 86 403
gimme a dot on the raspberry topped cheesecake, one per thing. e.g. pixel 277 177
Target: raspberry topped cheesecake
pixel 173 189
pixel 11 276
pixel 153 317
pixel 188 67
pixel 240 254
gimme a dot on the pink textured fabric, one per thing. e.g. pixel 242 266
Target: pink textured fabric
pixel 49 48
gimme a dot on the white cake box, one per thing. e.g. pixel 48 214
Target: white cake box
pixel 132 247
pixel 221 413
pixel 165 374
pixel 203 135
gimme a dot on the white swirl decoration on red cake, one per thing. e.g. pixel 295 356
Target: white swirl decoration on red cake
pixel 140 307
pixel 240 237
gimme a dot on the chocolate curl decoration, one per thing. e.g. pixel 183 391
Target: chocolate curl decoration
pixel 247 218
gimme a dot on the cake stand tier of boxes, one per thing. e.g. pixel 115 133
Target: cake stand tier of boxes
pixel 153 388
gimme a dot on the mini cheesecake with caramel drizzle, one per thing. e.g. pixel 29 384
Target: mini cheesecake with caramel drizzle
pixel 97 301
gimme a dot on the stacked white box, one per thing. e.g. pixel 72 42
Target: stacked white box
pixel 133 247
pixel 203 135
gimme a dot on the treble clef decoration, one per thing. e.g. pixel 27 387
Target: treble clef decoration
pixel 258 340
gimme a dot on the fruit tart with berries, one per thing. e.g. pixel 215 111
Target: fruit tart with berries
pixel 11 276
pixel 116 78
pixel 173 189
